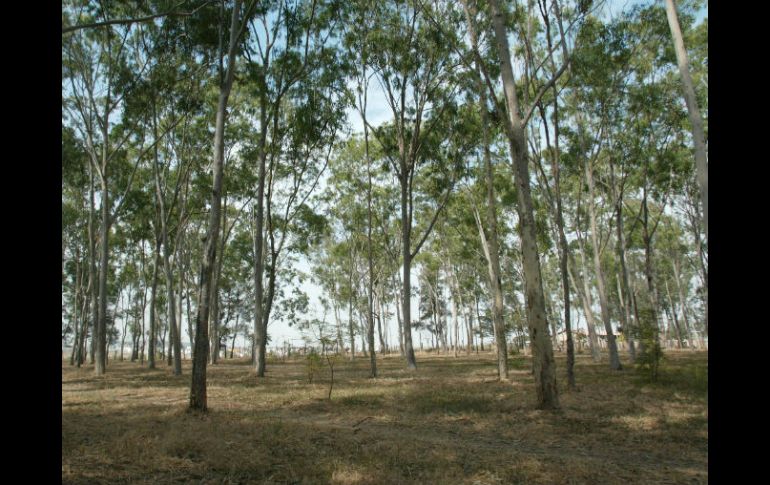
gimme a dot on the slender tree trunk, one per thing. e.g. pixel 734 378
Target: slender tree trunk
pixel 94 273
pixel 82 348
pixel 676 320
pixel 101 335
pixel 351 330
pixel 456 323
pixel 406 305
pixel 648 266
pixel 188 305
pixel 76 307
pixel 490 245
pixel 625 311
pixel 380 323
pixel 336 308
pixel 153 314
pixel 399 321
pixel 370 254
pixel 235 334
pixel 198 396
pixel 260 337
pixel 219 263
pixel 478 319
pixel 623 285
pixel 603 303
pixel 586 300
pixel 563 245
pixel 125 326
pixel 698 134
pixel 544 365
pixel 682 301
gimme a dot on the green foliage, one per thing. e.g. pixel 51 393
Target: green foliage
pixel 313 365
pixel 647 334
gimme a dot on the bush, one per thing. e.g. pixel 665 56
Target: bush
pixel 646 333
pixel 312 365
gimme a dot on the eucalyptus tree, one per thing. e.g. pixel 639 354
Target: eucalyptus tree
pixel 75 254
pixel 101 69
pixel 420 96
pixel 696 121
pixel 169 96
pixel 296 77
pixel 544 367
pixel 350 218
pixel 239 18
pixel 361 24
pixel 92 64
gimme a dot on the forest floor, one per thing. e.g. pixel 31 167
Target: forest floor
pixel 448 422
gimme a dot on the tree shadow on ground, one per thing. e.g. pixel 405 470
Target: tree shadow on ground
pixel 443 424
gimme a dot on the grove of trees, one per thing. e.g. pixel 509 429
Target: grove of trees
pixel 530 176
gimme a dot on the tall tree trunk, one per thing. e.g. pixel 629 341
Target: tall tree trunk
pixel 125 324
pixel 585 298
pixel 682 301
pixel 81 349
pixel 153 314
pixel 370 254
pixel 490 245
pixel 76 306
pixel 219 263
pixel 623 286
pixel 544 365
pixel 455 322
pixel 563 245
pixel 174 340
pixel 698 134
pixel 603 303
pixel 198 397
pixel 351 330
pixel 648 266
pixel 144 304
pixel 260 333
pixel 676 320
pixel 399 320
pixel 406 301
pixel 101 335
pixel 235 335
pixel 493 268
pixel 93 269
pixel 478 319
pixel 380 323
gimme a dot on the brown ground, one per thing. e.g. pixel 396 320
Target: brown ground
pixel 449 422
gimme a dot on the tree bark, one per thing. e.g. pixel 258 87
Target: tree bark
pixel 93 269
pixel 198 396
pixel 260 333
pixel 153 314
pixel 682 301
pixel 544 365
pixel 676 320
pixel 406 302
pixel 698 135
pixel 623 285
pixel 603 303
pixel 174 341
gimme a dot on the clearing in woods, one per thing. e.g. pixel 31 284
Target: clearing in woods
pixel 449 422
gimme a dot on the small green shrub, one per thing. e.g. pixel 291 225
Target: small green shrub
pixel 312 365
pixel 646 333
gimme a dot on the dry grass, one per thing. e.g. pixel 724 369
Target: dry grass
pixel 449 422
